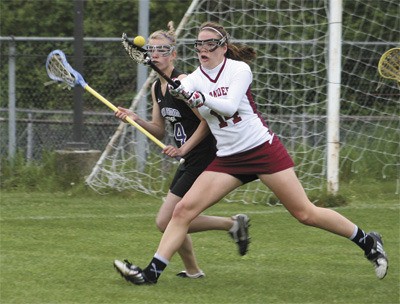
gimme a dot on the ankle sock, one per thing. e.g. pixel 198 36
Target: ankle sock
pixel 362 239
pixel 157 265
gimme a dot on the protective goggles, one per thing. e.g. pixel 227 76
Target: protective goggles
pixel 209 45
pixel 163 50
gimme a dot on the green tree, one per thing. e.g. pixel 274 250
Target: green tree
pixel 55 18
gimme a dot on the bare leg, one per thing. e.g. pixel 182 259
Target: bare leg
pixel 290 192
pixel 208 189
pixel 288 189
pixel 200 223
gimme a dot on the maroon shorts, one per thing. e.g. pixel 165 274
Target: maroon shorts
pixel 264 159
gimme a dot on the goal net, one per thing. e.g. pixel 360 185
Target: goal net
pixel 290 89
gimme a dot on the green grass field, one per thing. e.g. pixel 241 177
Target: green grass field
pixel 59 248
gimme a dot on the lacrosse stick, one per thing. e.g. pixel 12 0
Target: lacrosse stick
pixel 389 64
pixel 140 55
pixel 59 69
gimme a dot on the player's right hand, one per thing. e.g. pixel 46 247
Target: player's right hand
pixel 123 113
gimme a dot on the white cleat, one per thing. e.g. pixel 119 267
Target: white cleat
pixel 130 273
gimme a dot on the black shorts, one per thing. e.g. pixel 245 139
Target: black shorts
pixel 184 179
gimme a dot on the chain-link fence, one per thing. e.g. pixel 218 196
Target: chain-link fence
pixel 43 115
pixel 40 130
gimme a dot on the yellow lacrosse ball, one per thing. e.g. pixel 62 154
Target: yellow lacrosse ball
pixel 139 41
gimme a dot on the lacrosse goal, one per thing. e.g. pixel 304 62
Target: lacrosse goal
pixel 290 88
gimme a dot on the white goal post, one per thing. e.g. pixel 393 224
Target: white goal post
pixel 333 98
pixel 315 77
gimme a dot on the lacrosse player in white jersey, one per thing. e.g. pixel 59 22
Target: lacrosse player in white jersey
pixel 194 142
pixel 247 150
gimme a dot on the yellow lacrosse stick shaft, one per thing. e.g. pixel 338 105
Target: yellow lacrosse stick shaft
pixel 128 119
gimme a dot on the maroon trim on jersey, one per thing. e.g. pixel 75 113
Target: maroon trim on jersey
pixel 254 106
pixel 219 73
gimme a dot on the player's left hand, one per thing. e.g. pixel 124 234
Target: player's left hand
pixel 196 100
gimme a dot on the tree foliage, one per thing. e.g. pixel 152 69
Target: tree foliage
pixel 55 18
pixel 102 18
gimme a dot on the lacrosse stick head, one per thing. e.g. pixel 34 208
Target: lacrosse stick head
pixel 136 52
pixel 59 70
pixel 389 64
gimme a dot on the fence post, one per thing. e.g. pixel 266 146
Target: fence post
pixel 29 138
pixel 12 132
pixel 143 28
pixel 78 90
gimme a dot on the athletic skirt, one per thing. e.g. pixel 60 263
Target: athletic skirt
pixel 264 159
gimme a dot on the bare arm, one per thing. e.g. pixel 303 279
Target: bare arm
pixel 157 124
pixel 201 132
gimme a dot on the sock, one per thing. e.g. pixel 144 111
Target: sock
pixel 363 240
pixel 157 265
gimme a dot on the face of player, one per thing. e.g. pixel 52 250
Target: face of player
pixel 162 53
pixel 209 50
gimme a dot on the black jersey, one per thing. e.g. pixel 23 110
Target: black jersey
pixel 184 123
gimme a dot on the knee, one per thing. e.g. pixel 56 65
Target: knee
pixel 182 212
pixel 305 217
pixel 161 223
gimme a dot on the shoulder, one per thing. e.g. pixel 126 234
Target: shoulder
pixel 153 86
pixel 239 69
pixel 235 64
pixel 192 77
pixel 177 74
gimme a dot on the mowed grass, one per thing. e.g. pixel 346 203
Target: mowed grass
pixel 59 248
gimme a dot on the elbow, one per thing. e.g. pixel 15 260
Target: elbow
pixel 160 136
pixel 157 134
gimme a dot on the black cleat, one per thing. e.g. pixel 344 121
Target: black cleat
pixel 377 256
pixel 131 273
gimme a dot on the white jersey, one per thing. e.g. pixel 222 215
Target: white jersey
pixel 229 108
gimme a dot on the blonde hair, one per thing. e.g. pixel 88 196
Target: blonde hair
pixel 235 51
pixel 169 34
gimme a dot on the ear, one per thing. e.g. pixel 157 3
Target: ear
pixel 225 46
pixel 173 55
